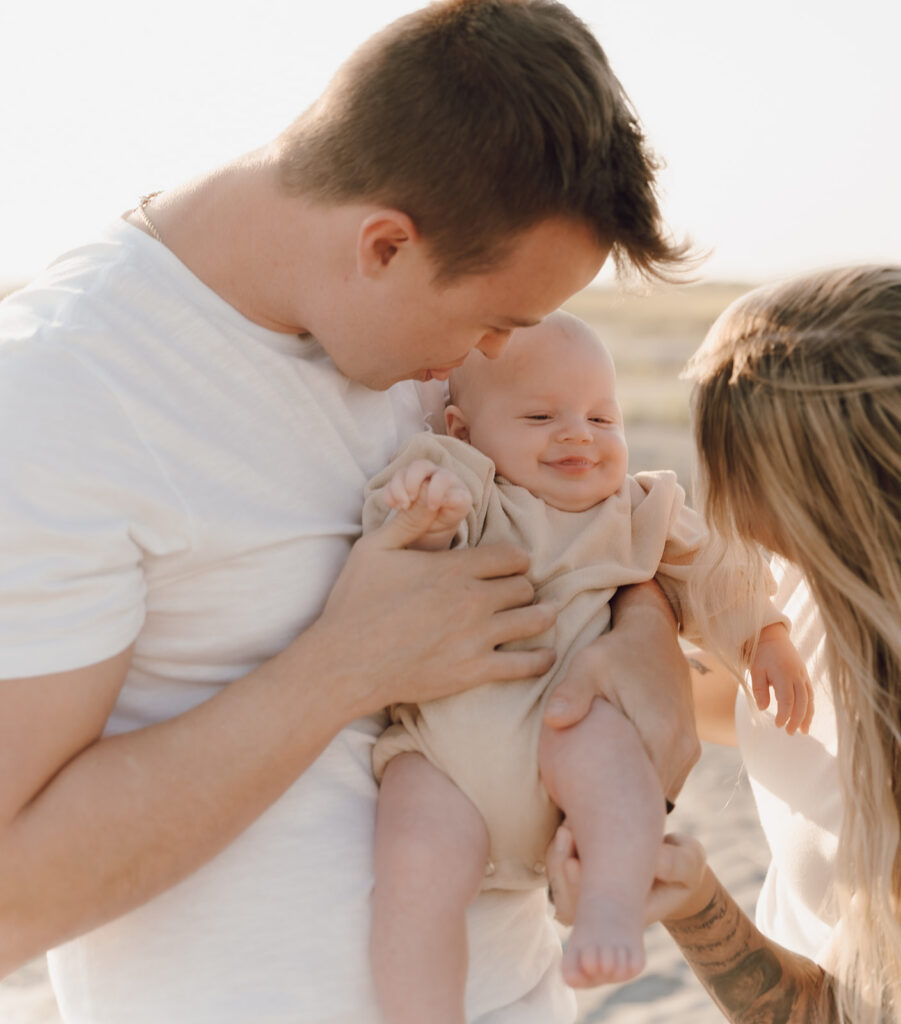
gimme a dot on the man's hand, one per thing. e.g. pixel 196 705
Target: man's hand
pixel 412 625
pixel 639 667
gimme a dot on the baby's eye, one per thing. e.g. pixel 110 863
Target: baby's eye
pixel 600 419
pixel 539 417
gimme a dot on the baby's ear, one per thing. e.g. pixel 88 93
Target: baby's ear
pixel 455 423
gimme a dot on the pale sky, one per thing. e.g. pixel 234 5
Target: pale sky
pixel 778 119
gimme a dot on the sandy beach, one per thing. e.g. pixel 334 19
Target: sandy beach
pixel 715 806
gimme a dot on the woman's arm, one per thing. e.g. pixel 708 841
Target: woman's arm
pixel 750 978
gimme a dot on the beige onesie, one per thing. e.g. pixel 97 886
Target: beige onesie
pixel 486 740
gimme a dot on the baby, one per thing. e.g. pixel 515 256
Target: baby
pixel 472 786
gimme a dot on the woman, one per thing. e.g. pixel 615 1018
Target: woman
pixel 798 428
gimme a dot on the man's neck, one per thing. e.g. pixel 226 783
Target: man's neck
pixel 237 231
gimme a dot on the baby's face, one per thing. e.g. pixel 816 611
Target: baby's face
pixel 546 413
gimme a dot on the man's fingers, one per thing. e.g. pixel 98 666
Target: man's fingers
pixel 518 623
pixel 506 666
pixel 491 561
pixel 400 530
pixel 508 592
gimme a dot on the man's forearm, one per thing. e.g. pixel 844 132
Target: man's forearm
pixel 639 599
pixel 657 697
pixel 133 814
pixel 89 830
pixel 752 979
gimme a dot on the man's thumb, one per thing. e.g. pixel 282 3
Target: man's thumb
pixel 569 704
pixel 404 527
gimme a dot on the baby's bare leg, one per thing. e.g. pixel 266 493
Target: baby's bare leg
pixel 598 772
pixel 431 848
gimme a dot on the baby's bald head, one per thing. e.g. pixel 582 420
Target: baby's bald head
pixel 560 335
pixel 545 412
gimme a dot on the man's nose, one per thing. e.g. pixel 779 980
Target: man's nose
pixel 493 343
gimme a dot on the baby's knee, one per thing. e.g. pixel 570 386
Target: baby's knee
pixel 604 741
pixel 428 831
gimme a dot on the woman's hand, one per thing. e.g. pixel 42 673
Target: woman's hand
pixel 682 887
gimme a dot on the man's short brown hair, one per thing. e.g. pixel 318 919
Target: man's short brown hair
pixel 479 119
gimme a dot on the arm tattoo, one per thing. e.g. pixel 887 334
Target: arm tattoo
pixel 698 666
pixel 751 979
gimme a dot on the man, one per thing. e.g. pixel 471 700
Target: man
pixel 192 665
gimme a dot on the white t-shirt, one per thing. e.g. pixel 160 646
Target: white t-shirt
pixel 175 475
pixel 796 787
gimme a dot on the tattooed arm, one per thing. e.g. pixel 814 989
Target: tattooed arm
pixel 750 978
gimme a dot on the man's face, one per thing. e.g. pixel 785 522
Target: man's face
pixel 408 326
pixel 548 417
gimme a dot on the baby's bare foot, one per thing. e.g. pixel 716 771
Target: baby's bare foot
pixel 606 944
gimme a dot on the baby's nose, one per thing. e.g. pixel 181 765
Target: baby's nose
pixel 574 428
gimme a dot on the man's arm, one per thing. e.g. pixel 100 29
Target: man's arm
pixel 750 978
pixel 639 667
pixel 90 828
pixel 714 689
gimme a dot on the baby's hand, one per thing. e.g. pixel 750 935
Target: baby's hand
pixel 437 499
pixel 777 664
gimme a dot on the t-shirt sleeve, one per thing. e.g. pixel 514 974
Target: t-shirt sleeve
pixel 82 502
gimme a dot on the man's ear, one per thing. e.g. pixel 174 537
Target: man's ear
pixel 383 235
pixel 455 423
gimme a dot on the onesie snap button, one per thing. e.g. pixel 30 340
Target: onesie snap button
pixel 489 868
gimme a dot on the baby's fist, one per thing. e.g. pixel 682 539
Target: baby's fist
pixel 777 664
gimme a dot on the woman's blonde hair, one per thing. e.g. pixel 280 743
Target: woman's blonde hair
pixel 798 428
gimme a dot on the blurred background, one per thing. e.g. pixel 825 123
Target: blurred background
pixel 775 121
